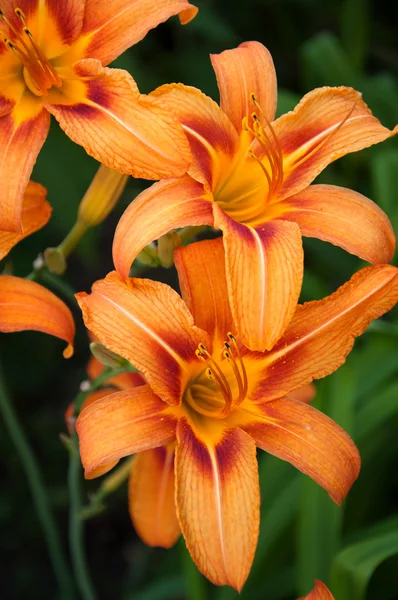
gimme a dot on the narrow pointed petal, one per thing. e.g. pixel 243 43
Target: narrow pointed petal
pixel 115 26
pixel 20 142
pixel 151 497
pixel 121 424
pixel 212 137
pixel 309 440
pixel 247 69
pixel 268 261
pixel 205 296
pixel 164 206
pixel 322 333
pixel 320 592
pixel 344 218
pixel 36 211
pixel 27 305
pixel 327 124
pixel 218 502
pixel 120 127
pixel 148 324
pixel 304 394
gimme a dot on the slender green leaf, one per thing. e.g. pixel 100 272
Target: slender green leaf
pixel 355 18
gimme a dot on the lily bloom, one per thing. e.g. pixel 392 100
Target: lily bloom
pixel 320 592
pixel 250 177
pixel 217 400
pixel 52 61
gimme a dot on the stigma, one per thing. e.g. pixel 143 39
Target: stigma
pixel 39 74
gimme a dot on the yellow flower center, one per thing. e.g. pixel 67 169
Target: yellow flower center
pixel 248 184
pixel 39 74
pixel 222 386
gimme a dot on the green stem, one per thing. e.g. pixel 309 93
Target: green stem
pixel 58 285
pixel 40 498
pixel 76 526
pixel 73 237
pixel 196 588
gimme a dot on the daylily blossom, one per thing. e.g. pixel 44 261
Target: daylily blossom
pixel 320 592
pixel 251 176
pixel 217 400
pixel 52 61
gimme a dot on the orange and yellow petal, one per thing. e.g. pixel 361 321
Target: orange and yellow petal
pixel 309 440
pixel 320 592
pixel 22 134
pixel 151 497
pixel 304 394
pixel 125 130
pixel 201 275
pixel 264 267
pixel 113 26
pixel 218 501
pixel 212 137
pixel 148 324
pixel 327 124
pixel 344 218
pixel 245 70
pixel 36 211
pixel 26 305
pixel 164 206
pixel 322 333
pixel 121 424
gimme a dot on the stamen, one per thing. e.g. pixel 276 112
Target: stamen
pixel 20 15
pixel 252 155
pixel 217 374
pixel 232 339
pixel 228 355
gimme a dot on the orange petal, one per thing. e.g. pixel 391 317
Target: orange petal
pixel 148 324
pixel 36 211
pixel 320 592
pixel 201 275
pixel 309 440
pixel 115 26
pixel 121 424
pixel 327 124
pixel 304 394
pixel 344 218
pixel 211 135
pixel 26 305
pixel 121 128
pixel 247 69
pixel 218 500
pixel 264 268
pixel 20 142
pixel 69 415
pixel 165 205
pixel 321 333
pixel 151 497
pixel 124 381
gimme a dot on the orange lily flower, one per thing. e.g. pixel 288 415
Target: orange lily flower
pixel 52 57
pixel 217 400
pixel 320 592
pixel 251 176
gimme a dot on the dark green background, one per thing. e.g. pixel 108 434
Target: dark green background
pixel 303 535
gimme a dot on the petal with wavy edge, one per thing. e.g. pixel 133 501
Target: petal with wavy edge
pixel 148 324
pixel 344 218
pixel 36 211
pixel 322 333
pixel 327 124
pixel 121 424
pixel 114 26
pixel 118 126
pixel 218 498
pixel 205 295
pixel 320 592
pixel 164 206
pixel 26 305
pixel 22 134
pixel 264 267
pixel 211 135
pixel 151 497
pixel 309 440
pixel 247 69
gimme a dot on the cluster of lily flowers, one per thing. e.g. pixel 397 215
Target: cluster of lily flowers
pixel 227 365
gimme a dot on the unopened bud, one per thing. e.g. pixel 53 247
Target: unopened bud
pixel 102 195
pixel 166 246
pixel 106 357
pixel 55 260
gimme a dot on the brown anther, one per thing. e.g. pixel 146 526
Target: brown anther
pixel 20 14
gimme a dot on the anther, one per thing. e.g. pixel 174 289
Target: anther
pixel 20 14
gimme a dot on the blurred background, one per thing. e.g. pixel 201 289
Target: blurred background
pixel 303 534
